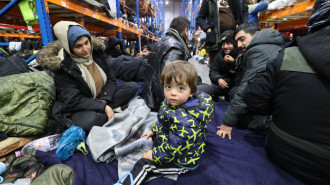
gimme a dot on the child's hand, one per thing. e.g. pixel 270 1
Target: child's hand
pixel 148 134
pixel 148 155
pixel 224 130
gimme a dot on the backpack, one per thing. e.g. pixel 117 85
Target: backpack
pixel 13 65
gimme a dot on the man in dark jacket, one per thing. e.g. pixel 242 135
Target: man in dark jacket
pixel 222 71
pixel 86 89
pixel 295 89
pixel 217 16
pixel 115 47
pixel 170 48
pixel 259 49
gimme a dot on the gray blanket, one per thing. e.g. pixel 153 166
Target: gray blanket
pixel 120 137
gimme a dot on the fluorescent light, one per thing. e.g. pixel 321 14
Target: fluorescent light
pixel 166 2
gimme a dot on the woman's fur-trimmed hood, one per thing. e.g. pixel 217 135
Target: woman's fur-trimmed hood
pixel 49 58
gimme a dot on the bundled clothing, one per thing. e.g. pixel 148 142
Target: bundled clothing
pixel 263 49
pixel 295 89
pixel 81 83
pixel 180 138
pixel 128 68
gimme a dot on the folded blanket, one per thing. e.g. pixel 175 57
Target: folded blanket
pixel 120 137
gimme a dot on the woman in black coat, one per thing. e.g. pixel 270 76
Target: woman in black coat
pixel 86 87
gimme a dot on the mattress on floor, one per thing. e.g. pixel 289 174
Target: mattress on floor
pixel 240 161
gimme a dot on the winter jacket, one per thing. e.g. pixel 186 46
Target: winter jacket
pixel 170 48
pixel 207 19
pixel 295 89
pixel 112 51
pixel 180 131
pixel 73 93
pixel 263 49
pixel 221 69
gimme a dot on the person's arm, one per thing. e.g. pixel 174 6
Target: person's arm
pixel 215 69
pixel 245 12
pixel 69 93
pixel 201 18
pixel 110 86
pixel 259 94
pixel 255 63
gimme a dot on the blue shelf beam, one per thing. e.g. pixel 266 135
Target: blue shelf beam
pixel 105 31
pixel 8 7
pixel 4 44
pixel 44 22
pixel 119 35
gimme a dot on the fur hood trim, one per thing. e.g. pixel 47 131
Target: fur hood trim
pixel 49 58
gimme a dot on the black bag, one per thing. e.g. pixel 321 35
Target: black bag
pixel 152 91
pixel 13 65
pixel 210 38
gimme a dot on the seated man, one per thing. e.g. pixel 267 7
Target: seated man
pixel 222 71
pixel 260 48
pixel 115 47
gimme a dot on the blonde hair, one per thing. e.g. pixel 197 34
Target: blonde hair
pixel 180 70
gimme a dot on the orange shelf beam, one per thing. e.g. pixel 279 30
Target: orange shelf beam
pixel 287 11
pixel 300 23
pixel 88 12
pixel 22 36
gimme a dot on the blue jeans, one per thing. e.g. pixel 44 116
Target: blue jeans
pixel 253 16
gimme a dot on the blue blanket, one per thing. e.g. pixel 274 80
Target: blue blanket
pixel 240 161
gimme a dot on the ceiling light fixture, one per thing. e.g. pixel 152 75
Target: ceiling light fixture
pixel 166 2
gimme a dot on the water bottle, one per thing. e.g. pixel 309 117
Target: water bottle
pixel 44 144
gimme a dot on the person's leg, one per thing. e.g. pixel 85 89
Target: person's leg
pixel 145 168
pixel 206 88
pixel 124 93
pixel 87 119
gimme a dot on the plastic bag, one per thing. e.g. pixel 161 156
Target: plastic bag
pixel 69 142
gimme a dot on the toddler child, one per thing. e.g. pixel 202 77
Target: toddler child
pixel 180 130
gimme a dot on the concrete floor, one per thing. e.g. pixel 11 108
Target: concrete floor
pixel 202 70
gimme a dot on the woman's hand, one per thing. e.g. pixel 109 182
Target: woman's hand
pixel 109 112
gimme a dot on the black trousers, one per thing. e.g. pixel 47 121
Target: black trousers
pixel 213 90
pixel 309 168
pixel 144 168
pixel 87 119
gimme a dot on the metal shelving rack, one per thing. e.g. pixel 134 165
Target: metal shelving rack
pixel 288 18
pixel 190 9
pixel 52 11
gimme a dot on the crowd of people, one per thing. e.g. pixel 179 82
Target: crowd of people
pixel 277 89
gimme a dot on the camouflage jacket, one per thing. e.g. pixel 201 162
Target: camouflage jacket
pixel 180 131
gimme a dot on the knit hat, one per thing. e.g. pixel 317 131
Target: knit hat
pixel 228 36
pixel 74 33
